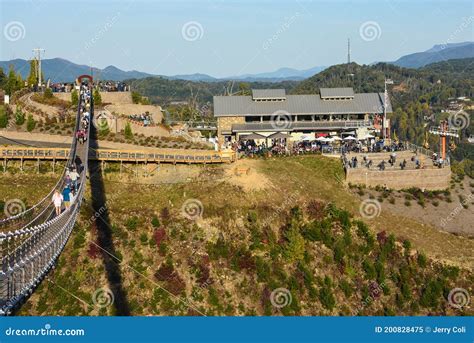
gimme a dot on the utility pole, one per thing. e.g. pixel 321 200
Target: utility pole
pixel 37 52
pixel 385 101
pixel 348 50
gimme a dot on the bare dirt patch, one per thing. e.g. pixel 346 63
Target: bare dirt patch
pixel 245 173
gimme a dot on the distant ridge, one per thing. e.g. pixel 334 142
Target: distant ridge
pixel 438 53
pixel 61 70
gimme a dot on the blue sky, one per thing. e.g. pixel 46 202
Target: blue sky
pixel 224 38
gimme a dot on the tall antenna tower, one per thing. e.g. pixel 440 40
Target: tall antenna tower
pixel 37 52
pixel 348 50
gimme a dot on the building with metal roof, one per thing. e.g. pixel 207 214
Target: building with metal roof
pixel 336 93
pixel 268 111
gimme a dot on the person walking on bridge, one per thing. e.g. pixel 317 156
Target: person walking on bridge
pixel 74 176
pixel 67 196
pixel 57 201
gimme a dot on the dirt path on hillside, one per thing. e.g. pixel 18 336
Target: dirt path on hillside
pixel 38 138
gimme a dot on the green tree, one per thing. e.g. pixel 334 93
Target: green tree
pixel 3 78
pixel 97 98
pixel 74 97
pixel 128 131
pixel 19 117
pixel 32 79
pixel 3 117
pixel 30 123
pixel 326 295
pixel 136 97
pixel 48 93
pixel 13 82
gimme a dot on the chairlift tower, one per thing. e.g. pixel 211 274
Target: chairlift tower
pixel 443 131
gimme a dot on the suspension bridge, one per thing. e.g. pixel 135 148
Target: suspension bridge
pixel 32 239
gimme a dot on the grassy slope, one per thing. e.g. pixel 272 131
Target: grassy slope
pixel 228 264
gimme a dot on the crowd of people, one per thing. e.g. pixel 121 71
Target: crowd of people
pixel 62 87
pixel 68 194
pixel 367 162
pixel 84 109
pixel 145 118
pixel 279 147
pixel 111 86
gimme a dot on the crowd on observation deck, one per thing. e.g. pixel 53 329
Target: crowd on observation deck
pixel 112 86
pixel 145 118
pixel 103 86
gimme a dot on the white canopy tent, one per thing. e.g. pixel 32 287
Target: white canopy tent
pixel 350 138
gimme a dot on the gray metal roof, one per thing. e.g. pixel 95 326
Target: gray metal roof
pixel 228 106
pixel 336 92
pixel 309 125
pixel 268 93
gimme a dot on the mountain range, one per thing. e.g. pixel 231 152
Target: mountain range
pixel 437 53
pixel 61 70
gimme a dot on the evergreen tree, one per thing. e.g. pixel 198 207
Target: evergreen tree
pixel 19 117
pixel 74 97
pixel 128 131
pixel 30 123
pixel 14 82
pixel 32 79
pixel 97 98
pixel 3 117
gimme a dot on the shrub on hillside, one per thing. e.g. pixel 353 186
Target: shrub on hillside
pixel 30 123
pixel 19 117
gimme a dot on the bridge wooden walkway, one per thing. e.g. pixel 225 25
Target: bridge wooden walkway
pixel 145 156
